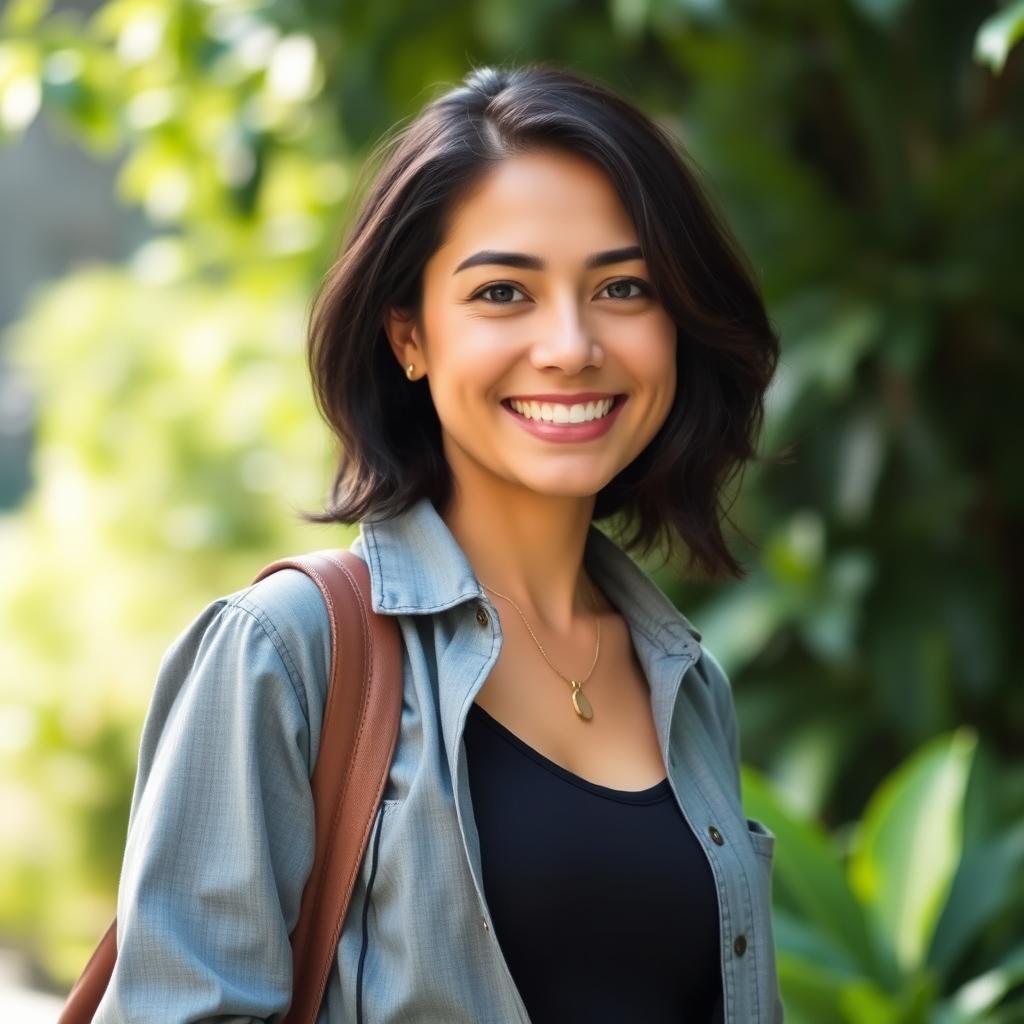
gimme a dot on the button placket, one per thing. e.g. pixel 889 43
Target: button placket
pixel 739 944
pixel 484 619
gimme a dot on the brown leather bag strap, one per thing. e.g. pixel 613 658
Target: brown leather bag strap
pixel 360 730
pixel 81 1003
pixel 358 739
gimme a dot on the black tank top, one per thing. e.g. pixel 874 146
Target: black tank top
pixel 602 899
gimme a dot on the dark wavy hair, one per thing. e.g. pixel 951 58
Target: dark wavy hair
pixel 387 428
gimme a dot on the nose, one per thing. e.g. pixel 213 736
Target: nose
pixel 566 342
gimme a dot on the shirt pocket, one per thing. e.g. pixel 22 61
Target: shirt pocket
pixel 762 839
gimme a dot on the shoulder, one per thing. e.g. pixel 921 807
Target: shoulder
pixel 271 634
pixel 714 676
pixel 718 691
pixel 292 614
pixel 290 607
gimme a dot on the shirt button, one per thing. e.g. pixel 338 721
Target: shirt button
pixel 481 615
pixel 716 836
pixel 487 927
pixel 740 945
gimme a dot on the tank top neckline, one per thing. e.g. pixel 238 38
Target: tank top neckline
pixel 652 795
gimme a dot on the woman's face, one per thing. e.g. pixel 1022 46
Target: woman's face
pixel 568 319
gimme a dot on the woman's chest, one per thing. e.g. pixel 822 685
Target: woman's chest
pixel 618 747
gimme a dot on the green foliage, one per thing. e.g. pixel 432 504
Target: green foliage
pixel 878 928
pixel 176 441
pixel 864 152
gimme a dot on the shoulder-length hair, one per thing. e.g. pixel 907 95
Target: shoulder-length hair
pixel 388 431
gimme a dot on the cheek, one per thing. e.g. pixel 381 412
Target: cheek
pixel 649 354
pixel 465 388
pixel 468 359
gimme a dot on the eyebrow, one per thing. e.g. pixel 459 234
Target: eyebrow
pixel 526 262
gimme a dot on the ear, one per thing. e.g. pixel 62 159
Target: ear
pixel 402 329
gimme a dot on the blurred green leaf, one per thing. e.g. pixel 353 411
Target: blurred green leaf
pixel 808 880
pixel 909 844
pixel 989 877
pixel 997 35
pixel 810 988
pixel 972 1002
pixel 864 1002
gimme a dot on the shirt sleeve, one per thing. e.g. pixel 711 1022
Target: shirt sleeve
pixel 221 832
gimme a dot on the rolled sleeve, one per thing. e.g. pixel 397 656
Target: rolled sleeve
pixel 221 831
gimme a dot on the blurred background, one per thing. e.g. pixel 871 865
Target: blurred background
pixel 174 180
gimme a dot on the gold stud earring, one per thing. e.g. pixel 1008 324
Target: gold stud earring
pixel 409 370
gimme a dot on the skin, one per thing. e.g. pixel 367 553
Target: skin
pixel 523 505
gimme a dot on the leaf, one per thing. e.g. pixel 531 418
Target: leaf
pixel 972 1001
pixel 809 990
pixel 988 876
pixel 808 878
pixel 738 623
pixel 997 34
pixel 866 1003
pixel 809 944
pixel 909 844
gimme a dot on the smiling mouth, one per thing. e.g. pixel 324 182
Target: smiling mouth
pixel 552 406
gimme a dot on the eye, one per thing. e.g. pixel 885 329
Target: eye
pixel 628 282
pixel 501 286
pixel 504 288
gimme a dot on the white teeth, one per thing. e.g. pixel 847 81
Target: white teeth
pixel 558 412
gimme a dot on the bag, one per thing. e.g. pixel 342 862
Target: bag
pixel 357 743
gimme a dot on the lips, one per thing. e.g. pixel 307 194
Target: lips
pixel 568 433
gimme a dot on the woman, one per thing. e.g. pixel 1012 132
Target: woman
pixel 536 322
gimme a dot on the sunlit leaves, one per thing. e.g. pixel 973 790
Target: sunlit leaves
pixel 998 34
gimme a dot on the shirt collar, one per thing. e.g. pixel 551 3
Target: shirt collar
pixel 417 567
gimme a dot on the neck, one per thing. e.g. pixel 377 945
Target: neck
pixel 528 547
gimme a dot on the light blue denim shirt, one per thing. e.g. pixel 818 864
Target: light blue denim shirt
pixel 220 837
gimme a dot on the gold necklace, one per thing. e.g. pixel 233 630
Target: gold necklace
pixel 580 703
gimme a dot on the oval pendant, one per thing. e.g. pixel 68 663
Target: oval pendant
pixel 581 704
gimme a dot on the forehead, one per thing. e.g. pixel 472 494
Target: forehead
pixel 545 200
